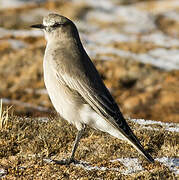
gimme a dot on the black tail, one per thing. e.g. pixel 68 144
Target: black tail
pixel 137 145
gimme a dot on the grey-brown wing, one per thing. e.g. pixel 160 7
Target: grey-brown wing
pixel 84 78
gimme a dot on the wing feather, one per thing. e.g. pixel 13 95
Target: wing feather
pixel 84 79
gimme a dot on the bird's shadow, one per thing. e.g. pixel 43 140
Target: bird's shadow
pixel 66 162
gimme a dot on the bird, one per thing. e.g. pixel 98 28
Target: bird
pixel 75 87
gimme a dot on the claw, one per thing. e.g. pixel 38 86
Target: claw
pixel 66 161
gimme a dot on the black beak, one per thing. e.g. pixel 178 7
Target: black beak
pixel 39 26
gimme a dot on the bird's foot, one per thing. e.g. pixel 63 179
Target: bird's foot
pixel 67 161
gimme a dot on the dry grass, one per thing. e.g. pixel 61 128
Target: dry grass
pixel 26 142
pixel 4 115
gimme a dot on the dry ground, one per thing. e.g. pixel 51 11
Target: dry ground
pixel 27 145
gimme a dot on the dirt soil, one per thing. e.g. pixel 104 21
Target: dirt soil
pixel 30 149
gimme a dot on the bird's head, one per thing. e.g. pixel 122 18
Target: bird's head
pixel 55 25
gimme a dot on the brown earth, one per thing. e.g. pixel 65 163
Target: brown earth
pixel 27 145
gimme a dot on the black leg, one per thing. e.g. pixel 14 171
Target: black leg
pixel 77 140
pixel 71 159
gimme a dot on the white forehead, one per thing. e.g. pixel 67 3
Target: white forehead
pixel 51 19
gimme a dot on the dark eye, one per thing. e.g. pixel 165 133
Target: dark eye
pixel 55 25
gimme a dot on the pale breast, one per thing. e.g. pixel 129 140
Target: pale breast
pixel 64 100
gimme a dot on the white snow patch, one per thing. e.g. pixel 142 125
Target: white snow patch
pixel 89 167
pixel 85 165
pixel 107 36
pixel 12 3
pixel 17 3
pixel 172 163
pixel 47 160
pixel 34 15
pixel 132 164
pixel 104 4
pixel 162 58
pixel 166 54
pixel 151 128
pixel 36 91
pixel 24 104
pixel 17 44
pixel 173 15
pixel 41 119
pixel 3 172
pixel 135 20
pixel 102 16
pixel 20 33
pixel 160 39
pixel 173 127
pixel 85 28
pixel 95 50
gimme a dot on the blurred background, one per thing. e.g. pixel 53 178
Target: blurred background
pixel 133 43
